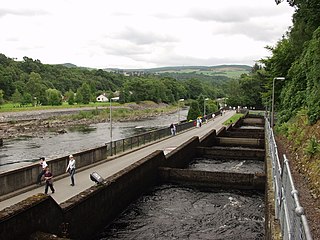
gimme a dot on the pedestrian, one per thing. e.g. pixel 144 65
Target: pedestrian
pixel 173 129
pixel 43 165
pixel 48 178
pixel 71 168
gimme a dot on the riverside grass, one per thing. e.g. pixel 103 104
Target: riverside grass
pixel 123 112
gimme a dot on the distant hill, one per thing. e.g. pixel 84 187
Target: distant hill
pixel 187 68
pixel 69 65
pixel 228 71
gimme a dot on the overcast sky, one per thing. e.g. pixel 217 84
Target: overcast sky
pixel 142 33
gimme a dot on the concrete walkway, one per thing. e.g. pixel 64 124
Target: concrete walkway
pixel 82 179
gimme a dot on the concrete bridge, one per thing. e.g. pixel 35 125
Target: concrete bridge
pixel 115 164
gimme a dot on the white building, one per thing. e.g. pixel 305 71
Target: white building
pixel 102 98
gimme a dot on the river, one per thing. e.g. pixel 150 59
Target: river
pixel 22 151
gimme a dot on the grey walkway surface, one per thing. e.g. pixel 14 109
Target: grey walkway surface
pixel 82 179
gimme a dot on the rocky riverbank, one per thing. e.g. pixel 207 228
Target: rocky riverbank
pixel 35 123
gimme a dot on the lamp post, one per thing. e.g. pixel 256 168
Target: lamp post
pixel 272 106
pixel 180 100
pixel 204 106
pixel 115 99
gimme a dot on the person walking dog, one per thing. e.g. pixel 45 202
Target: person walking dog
pixel 71 168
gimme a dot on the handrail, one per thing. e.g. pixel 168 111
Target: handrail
pixel 288 210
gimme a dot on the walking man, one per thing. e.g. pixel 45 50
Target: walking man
pixel 43 165
pixel 71 168
pixel 173 129
pixel 48 178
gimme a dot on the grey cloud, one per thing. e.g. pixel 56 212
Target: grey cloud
pixel 254 31
pixel 143 37
pixel 231 15
pixel 26 12
pixel 178 60
pixel 125 50
pixel 217 16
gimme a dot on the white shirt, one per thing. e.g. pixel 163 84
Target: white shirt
pixel 71 164
pixel 44 164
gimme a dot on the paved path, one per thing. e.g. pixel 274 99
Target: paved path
pixel 82 179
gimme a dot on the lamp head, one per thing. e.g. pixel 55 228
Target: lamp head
pixel 280 78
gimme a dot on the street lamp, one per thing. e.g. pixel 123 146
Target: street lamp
pixel 272 106
pixel 180 100
pixel 204 106
pixel 115 99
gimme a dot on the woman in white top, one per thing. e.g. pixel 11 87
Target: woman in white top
pixel 43 165
pixel 71 168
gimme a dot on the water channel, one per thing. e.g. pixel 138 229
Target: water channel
pixel 25 150
pixel 180 212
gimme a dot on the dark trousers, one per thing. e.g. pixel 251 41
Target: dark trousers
pixel 40 176
pixel 48 184
pixel 72 172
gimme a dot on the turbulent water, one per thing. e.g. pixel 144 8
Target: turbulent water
pixel 180 212
pixel 239 166
pixel 175 212
pixel 21 151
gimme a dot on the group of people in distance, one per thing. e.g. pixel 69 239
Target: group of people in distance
pixel 46 175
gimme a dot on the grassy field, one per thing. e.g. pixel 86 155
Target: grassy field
pixel 235 73
pixel 233 119
pixel 9 107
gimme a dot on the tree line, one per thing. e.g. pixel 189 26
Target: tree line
pixel 296 56
pixel 31 82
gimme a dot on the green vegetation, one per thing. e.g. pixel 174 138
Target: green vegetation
pixel 122 111
pixel 30 83
pixel 233 119
pixel 303 140
pixel 297 99
pixel 10 107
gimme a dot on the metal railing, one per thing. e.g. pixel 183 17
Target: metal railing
pixel 293 222
pixel 122 145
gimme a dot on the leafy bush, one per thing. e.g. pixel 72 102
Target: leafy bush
pixel 313 146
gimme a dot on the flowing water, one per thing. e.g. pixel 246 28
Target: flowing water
pixel 181 212
pixel 175 212
pixel 21 151
pixel 238 166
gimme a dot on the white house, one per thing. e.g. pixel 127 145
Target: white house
pixel 102 98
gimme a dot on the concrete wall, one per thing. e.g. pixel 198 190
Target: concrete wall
pixel 37 213
pixel 85 214
pixel 240 142
pixel 14 180
pixel 182 155
pixel 237 133
pixel 225 180
pixel 231 153
pixel 93 209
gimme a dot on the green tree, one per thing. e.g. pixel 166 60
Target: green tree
pixel 79 96
pixel 27 99
pixel 84 94
pixel 194 110
pixel 1 96
pixel 70 97
pixel 54 97
pixel 194 87
pixel 234 94
pixel 36 89
pixel 16 97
